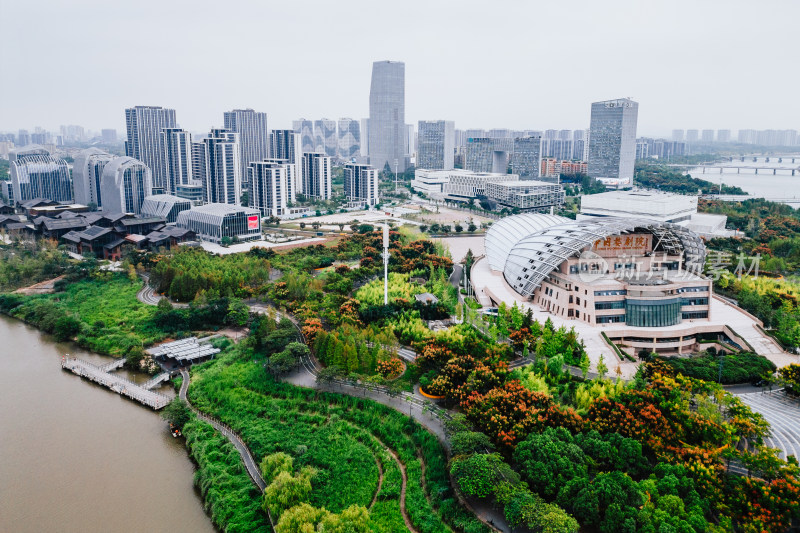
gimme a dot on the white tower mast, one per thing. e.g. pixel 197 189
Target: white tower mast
pixel 386 264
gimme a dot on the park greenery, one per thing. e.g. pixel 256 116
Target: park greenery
pixel 552 449
pixel 730 368
pixel 656 175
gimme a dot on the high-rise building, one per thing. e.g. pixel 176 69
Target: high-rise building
pixel 126 183
pixel 198 163
pixel 223 183
pixel 40 138
pixel 488 155
pixel 253 136
pixel 707 136
pixel 387 115
pixel 325 139
pixel 677 135
pixel 612 140
pixel 349 139
pixel 108 135
pixel 364 137
pixel 361 184
pixel 36 174
pixel 436 144
pixel 286 145
pixel 474 134
pixel 73 133
pixel 23 138
pixel 724 136
pixel 580 145
pixel 145 143
pixel 306 130
pixel 316 175
pixel 270 183
pixel 87 176
pixel 177 157
pixel 525 157
pixel 692 135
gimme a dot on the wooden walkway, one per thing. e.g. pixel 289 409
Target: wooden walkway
pixel 125 387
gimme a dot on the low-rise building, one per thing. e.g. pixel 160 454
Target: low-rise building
pixel 526 195
pixel 215 222
pixel 165 205
pixel 456 184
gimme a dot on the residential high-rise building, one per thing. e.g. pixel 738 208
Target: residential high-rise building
pixel 40 138
pixel 349 139
pixel 436 144
pixel 707 136
pixel 37 174
pixel 223 183
pixel 316 175
pixel 73 133
pixel 198 163
pixel 177 157
pixel 677 135
pixel 361 184
pixel 23 138
pixel 692 136
pixel 580 145
pixel 325 139
pixel 526 156
pixel 306 130
pixel 410 143
pixel 126 183
pixel 747 136
pixel 724 136
pixel 87 176
pixel 387 115
pixel 108 135
pixel 612 141
pixel 474 134
pixel 286 145
pixel 253 136
pixel 145 143
pixel 269 187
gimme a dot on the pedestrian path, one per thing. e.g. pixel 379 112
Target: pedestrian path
pixel 783 415
pixel 124 387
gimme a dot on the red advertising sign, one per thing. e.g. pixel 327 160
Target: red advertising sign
pixel 252 222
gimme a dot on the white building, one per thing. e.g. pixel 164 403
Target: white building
pixel 662 207
pixel 126 183
pixel 361 184
pixel 145 143
pixel 177 157
pixel 436 144
pixel 316 176
pixel 349 139
pixel 456 184
pixel 166 206
pixel 286 145
pixel 526 195
pixel 37 174
pixel 87 175
pixel 222 168
pixel 271 186
pixel 253 136
pixel 214 222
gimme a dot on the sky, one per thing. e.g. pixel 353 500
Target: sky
pixel 484 64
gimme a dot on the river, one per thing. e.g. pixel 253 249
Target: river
pixel 781 186
pixel 76 457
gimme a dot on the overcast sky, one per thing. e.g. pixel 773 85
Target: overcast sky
pixel 484 64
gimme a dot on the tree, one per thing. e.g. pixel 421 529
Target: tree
pixel 459 228
pixel 273 464
pixel 423 228
pixel 66 327
pixel 469 442
pixel 238 314
pixel 478 474
pixel 302 225
pixel 472 227
pixel 288 359
pixel 602 369
pixel 225 241
pixel 287 490
pixel 176 413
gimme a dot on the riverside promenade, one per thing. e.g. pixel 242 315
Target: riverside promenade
pixel 102 375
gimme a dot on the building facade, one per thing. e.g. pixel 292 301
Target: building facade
pixel 486 154
pixel 525 157
pixel 126 183
pixel 166 206
pixel 436 144
pixel 316 175
pixel 306 130
pixel 87 176
pixel 612 141
pixel 361 184
pixel 177 157
pixel 270 186
pixel 217 222
pixel 222 183
pixel 286 145
pixel 145 142
pixel 387 115
pixel 253 136
pixel 36 174
pixel 528 195
pixel 325 139
pixel 349 139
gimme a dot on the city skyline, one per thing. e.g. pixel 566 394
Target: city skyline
pixel 520 102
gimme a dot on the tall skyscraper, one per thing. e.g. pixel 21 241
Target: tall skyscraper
pixel 126 183
pixel 677 135
pixel 145 143
pixel 361 184
pixel 23 138
pixel 87 176
pixel 364 137
pixel 436 144
pixel 349 139
pixel 223 183
pixel 253 135
pixel 723 136
pixel 410 143
pixel 37 174
pixel 317 175
pixel 198 163
pixel 612 140
pixel 286 145
pixel 270 185
pixel 526 156
pixel 488 155
pixel 177 157
pixel 707 136
pixel 306 130
pixel 387 115
pixel 692 135
pixel 580 145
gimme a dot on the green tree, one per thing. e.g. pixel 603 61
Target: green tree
pixel 477 475
pixel 238 314
pixel 66 327
pixel 287 490
pixel 176 413
pixel 602 369
pixel 273 464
